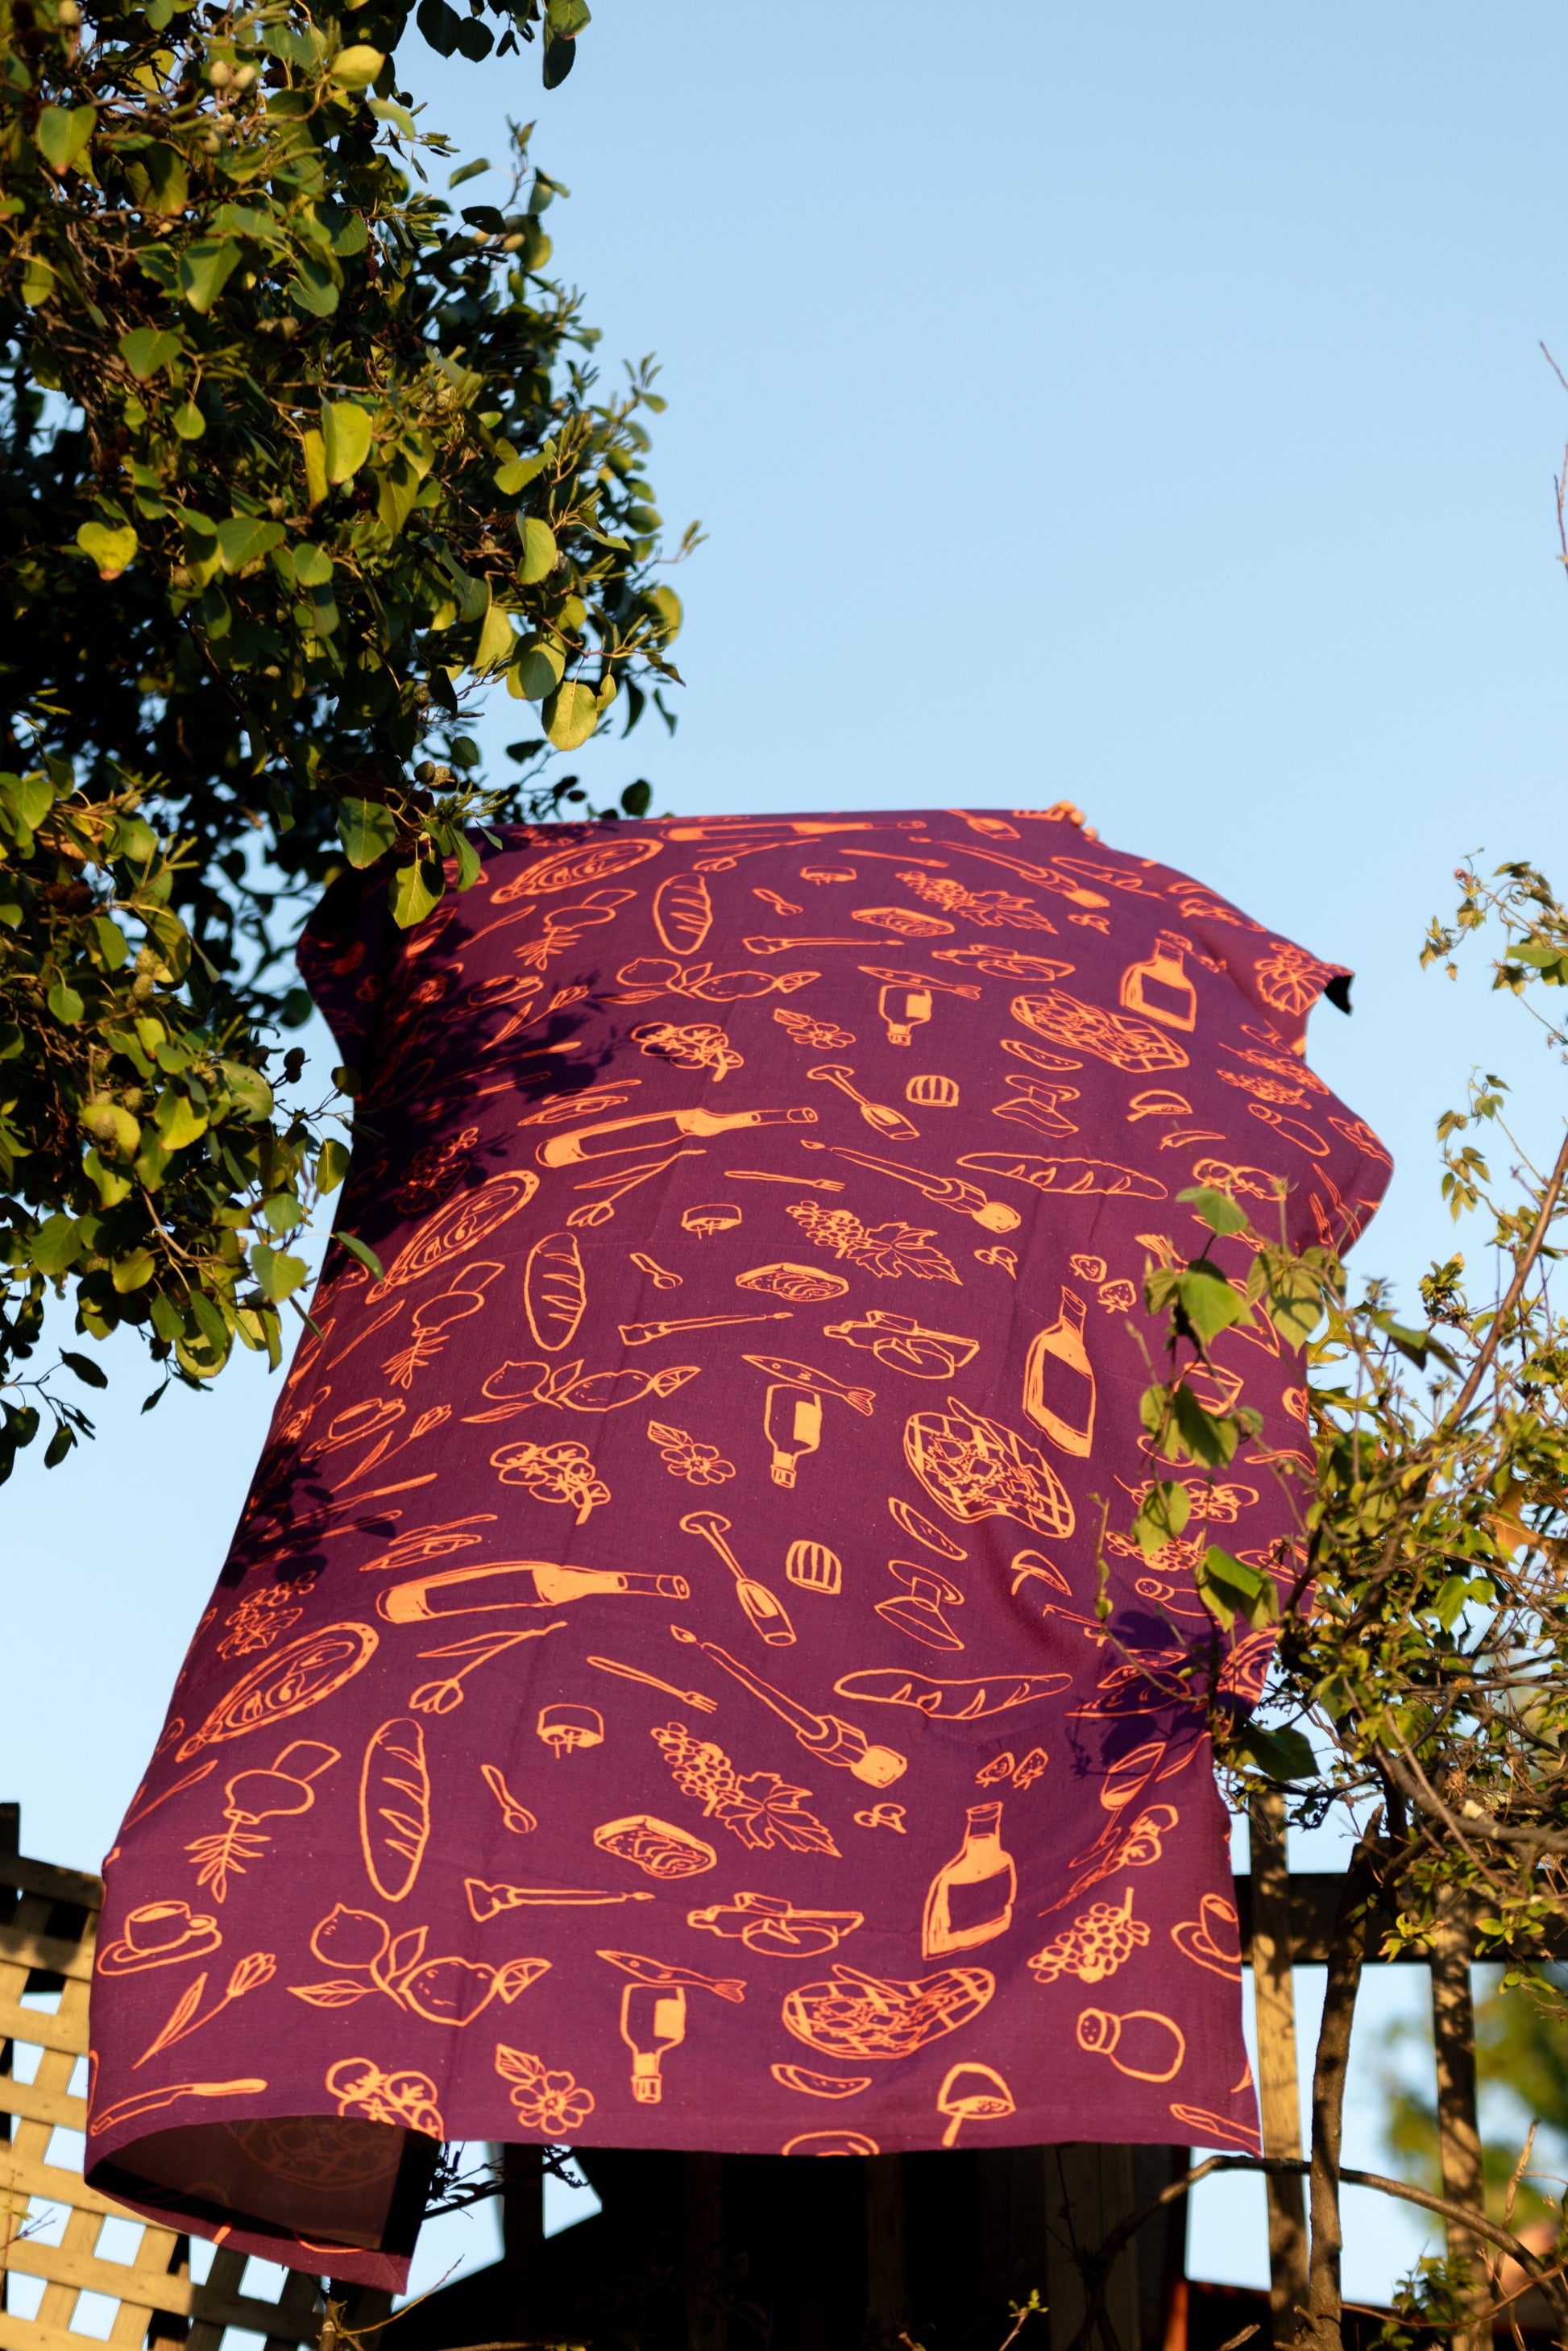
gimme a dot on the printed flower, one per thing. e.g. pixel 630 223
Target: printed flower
pixel 682 1457
pixel 555 2104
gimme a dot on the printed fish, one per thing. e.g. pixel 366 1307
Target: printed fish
pixel 801 1375
pixel 656 1971
pixel 518 1387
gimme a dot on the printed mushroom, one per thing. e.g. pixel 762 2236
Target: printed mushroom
pixel 566 1728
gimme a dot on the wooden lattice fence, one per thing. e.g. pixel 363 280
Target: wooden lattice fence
pixel 48 1918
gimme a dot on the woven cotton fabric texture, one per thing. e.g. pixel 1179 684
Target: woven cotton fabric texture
pixel 655 1695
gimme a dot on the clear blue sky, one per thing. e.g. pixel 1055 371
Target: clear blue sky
pixel 1132 404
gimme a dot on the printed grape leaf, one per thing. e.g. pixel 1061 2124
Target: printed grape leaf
pixel 764 1809
pixel 894 1249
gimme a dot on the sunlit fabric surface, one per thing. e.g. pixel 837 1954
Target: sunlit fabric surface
pixel 656 1696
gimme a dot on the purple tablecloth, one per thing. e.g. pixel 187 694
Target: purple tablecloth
pixel 655 1695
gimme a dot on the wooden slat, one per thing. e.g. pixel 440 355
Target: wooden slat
pixel 49 1879
pixel 23 2175
pixel 42 2028
pixel 151 2281
pixel 23 1947
pixel 1279 2087
pixel 154 2289
pixel 33 2105
pixel 19 2334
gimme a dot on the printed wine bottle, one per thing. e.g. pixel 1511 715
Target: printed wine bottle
pixel 904 1009
pixel 1059 1379
pixel 971 1899
pixel 793 1423
pixel 652 2019
pixel 1160 988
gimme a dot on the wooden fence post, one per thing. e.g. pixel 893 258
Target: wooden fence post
pixel 1279 2087
pixel 1459 2133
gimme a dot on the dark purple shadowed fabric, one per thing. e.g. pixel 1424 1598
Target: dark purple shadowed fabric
pixel 656 1696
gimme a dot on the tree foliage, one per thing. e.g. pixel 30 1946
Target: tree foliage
pixel 1421 1608
pixel 294 461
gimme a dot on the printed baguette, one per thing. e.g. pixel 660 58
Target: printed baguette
pixel 683 912
pixel 555 1290
pixel 395 1806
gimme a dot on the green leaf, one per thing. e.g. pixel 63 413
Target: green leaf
pixel 147 348
pixel 91 1374
pixel 540 553
pixel 278 1275
pixel 1218 1210
pixel 413 890
pixel 111 550
pixel 188 421
pixel 133 1272
pixel 168 182
pixel 571 714
pixel 314 285
pixel 65 1003
pixel 332 1165
pixel 357 67
pixel 30 796
pixel 667 604
pixel 1229 1588
pixel 62 135
pixel 439 26
pixel 1283 1754
pixel 496 641
pixel 178 1120
pixel 112 944
pixel 205 269
pixel 517 473
pixel 537 671
pixel 1209 1303
pixel 59 1444
pixel 248 1092
pixel 346 431
pixel 367 830
pixel 565 18
pixel 244 538
pixel 559 59
pixel 38 281
pixel 364 1251
pixel 466 172
pixel 1162 1515
pixel 312 565
pixel 201 1358
pixel 1208 1439
pixel 1449 1605
pixel 57 1245
pixel 475 40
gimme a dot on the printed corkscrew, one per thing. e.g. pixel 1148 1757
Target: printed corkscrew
pixel 765 1613
pixel 886 1120
pixel 826 1736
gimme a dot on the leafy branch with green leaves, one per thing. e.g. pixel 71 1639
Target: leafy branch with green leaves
pixel 1420 1686
pixel 297 462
